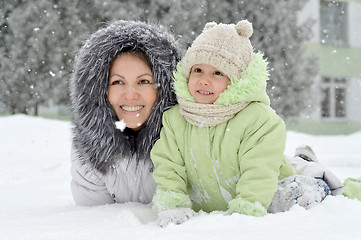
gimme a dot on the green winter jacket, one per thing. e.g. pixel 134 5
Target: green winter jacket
pixel 234 165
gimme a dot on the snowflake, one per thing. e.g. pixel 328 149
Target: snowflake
pixel 120 125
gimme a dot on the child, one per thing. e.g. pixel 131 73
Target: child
pixel 221 148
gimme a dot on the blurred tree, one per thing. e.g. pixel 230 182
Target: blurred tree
pixel 277 34
pixel 40 38
pixel 29 72
pixel 282 38
pixel 8 93
pixel 38 43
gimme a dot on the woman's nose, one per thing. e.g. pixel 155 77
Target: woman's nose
pixel 131 93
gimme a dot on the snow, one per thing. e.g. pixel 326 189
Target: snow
pixel 121 125
pixel 36 202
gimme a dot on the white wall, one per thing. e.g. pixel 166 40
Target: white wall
pixel 311 10
pixel 354 9
pixel 354 97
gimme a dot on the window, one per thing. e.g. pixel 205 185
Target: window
pixel 333 104
pixel 326 110
pixel 333 23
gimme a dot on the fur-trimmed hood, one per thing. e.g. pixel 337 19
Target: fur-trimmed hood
pixel 95 138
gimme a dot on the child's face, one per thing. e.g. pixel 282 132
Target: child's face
pixel 131 90
pixel 206 83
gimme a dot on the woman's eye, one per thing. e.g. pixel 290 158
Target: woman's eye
pixel 117 82
pixel 144 81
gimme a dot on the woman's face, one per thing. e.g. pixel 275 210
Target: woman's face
pixel 131 91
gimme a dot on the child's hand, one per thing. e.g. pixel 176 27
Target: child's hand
pixel 176 216
pixel 239 205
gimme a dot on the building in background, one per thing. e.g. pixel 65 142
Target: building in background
pixel 336 43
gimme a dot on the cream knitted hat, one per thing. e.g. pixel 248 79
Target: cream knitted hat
pixel 224 46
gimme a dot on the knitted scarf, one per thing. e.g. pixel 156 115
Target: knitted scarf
pixel 208 115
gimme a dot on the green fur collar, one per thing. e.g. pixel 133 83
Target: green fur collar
pixel 250 88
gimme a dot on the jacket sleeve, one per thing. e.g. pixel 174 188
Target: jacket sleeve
pixel 260 158
pixel 170 171
pixel 87 187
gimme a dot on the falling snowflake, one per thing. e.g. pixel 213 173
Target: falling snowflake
pixel 121 125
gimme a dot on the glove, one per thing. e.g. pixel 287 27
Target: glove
pixel 239 205
pixel 176 216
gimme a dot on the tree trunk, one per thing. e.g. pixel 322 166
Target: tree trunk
pixel 25 110
pixel 36 110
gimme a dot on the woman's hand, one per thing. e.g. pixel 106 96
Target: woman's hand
pixel 176 216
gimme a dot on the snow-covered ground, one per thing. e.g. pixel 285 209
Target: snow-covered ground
pixel 36 203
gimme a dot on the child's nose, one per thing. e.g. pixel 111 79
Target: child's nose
pixel 204 81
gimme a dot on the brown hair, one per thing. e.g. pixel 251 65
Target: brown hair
pixel 139 53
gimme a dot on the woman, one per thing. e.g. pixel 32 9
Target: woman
pixel 122 73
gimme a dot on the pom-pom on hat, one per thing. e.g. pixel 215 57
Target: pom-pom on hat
pixel 224 46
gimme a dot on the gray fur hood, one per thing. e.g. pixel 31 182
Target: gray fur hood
pixel 96 140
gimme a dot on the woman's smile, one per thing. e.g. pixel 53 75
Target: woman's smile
pixel 132 109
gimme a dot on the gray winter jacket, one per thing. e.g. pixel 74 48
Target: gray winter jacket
pixel 109 165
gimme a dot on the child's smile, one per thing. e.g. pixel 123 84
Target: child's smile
pixel 204 92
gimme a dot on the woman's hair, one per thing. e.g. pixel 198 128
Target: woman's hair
pixel 136 52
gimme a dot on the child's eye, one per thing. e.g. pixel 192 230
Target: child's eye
pixel 116 82
pixel 197 70
pixel 218 73
pixel 144 81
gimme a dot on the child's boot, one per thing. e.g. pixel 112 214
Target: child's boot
pixel 302 190
pixel 306 153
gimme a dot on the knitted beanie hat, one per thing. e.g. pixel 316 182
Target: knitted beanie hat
pixel 224 46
